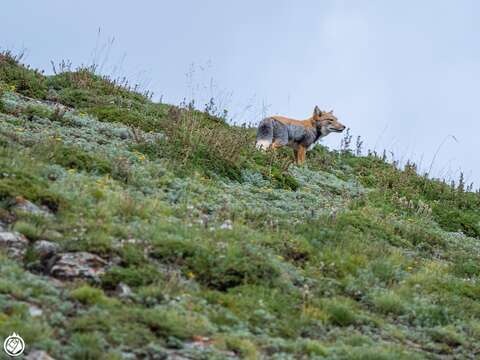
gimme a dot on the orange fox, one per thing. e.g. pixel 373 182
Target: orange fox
pixel 301 135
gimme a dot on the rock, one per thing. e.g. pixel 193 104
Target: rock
pixel 123 134
pixel 45 249
pixel 38 355
pixel 14 243
pixel 34 310
pixel 123 290
pixel 227 225
pixel 24 205
pixel 3 226
pixel 69 266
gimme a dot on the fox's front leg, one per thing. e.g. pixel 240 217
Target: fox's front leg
pixel 300 154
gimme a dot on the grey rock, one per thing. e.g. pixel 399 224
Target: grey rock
pixel 29 207
pixel 34 310
pixel 227 225
pixel 38 355
pixel 123 290
pixel 14 243
pixel 123 134
pixel 69 266
pixel 45 249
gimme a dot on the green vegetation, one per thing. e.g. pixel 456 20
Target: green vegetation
pixel 226 251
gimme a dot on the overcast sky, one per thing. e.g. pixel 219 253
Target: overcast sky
pixel 404 75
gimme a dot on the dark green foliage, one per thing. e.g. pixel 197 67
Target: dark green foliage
pixel 71 157
pixel 454 210
pixel 111 113
pixel 215 267
pixel 132 276
pixel 26 81
pixel 18 182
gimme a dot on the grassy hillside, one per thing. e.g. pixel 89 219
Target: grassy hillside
pixel 150 231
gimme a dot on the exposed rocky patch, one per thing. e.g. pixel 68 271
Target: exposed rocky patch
pixel 38 355
pixel 77 265
pixel 24 205
pixel 45 249
pixel 14 244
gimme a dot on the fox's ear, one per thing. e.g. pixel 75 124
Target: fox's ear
pixel 317 111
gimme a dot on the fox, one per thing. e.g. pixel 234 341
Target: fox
pixel 301 135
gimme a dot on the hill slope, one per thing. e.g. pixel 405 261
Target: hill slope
pixel 131 229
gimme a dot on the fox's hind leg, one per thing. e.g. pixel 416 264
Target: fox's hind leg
pixel 264 134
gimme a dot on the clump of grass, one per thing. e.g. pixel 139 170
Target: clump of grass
pixel 25 182
pixel 30 230
pixel 311 348
pixel 341 312
pixel 132 276
pixel 72 157
pixel 37 110
pixel 388 303
pixel 448 335
pixel 88 295
pixel 181 324
pixel 242 347
pixel 87 346
pixel 216 267
pixel 205 144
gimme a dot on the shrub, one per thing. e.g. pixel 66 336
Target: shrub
pixel 26 81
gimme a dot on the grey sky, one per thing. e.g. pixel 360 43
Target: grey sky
pixel 402 74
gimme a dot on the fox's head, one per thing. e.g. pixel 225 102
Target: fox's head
pixel 326 122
